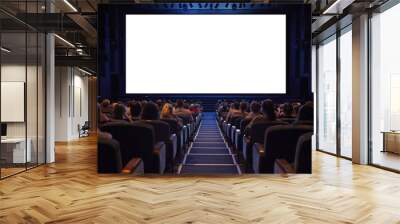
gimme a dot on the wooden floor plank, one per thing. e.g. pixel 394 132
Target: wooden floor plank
pixel 70 191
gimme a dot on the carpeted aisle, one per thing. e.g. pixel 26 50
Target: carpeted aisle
pixel 209 154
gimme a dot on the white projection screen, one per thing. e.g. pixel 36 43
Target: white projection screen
pixel 206 54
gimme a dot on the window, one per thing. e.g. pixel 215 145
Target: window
pixel 22 66
pixel 327 96
pixel 346 93
pixel 385 89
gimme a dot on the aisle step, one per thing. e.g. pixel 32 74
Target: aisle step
pixel 209 159
pixel 209 144
pixel 208 169
pixel 209 153
pixel 202 139
pixel 209 150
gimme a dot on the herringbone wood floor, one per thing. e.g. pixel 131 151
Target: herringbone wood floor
pixel 70 191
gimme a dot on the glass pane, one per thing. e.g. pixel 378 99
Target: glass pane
pixel 31 97
pixel 346 94
pixel 327 96
pixel 41 98
pixel 32 87
pixel 13 86
pixel 385 84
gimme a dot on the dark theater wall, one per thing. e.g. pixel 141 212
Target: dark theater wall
pixel 111 45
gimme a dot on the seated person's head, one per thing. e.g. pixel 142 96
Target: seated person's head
pixel 113 105
pixel 243 106
pixel 106 107
pixel 236 105
pixel 160 103
pixel 136 109
pixel 179 104
pixel 150 111
pixel 268 109
pixel 296 107
pixel 287 109
pixel 119 111
pixel 166 110
pixel 306 112
pixel 105 103
pixel 255 107
pixel 225 108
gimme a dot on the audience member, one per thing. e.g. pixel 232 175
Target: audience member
pixel 120 113
pixel 106 107
pixel 288 111
pixel 194 108
pixel 233 111
pixel 150 111
pixel 180 109
pixel 306 114
pixel 102 118
pixel 167 113
pixel 268 114
pixel 243 108
pixel 222 109
pixel 160 103
pixel 135 110
pixel 296 107
pixel 255 109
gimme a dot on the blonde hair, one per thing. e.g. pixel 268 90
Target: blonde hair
pixel 166 110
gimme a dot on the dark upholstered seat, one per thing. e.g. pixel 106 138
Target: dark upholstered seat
pixel 108 156
pixel 138 140
pixel 302 160
pixel 176 129
pixel 289 120
pixel 235 124
pixel 257 133
pixel 279 143
pixel 244 123
pixel 163 134
pixel 238 139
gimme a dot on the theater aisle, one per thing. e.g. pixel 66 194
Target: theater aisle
pixel 209 153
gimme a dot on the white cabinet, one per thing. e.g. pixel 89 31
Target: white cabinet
pixel 13 150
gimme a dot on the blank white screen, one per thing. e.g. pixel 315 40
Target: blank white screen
pixel 206 54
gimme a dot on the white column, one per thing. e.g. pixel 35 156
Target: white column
pixel 314 91
pixel 50 92
pixel 50 100
pixel 360 90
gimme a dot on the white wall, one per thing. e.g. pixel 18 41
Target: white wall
pixel 16 72
pixel 33 127
pixel 71 102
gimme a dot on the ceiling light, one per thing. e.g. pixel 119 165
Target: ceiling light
pixel 70 5
pixel 5 50
pixel 337 7
pixel 64 40
pixel 84 71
